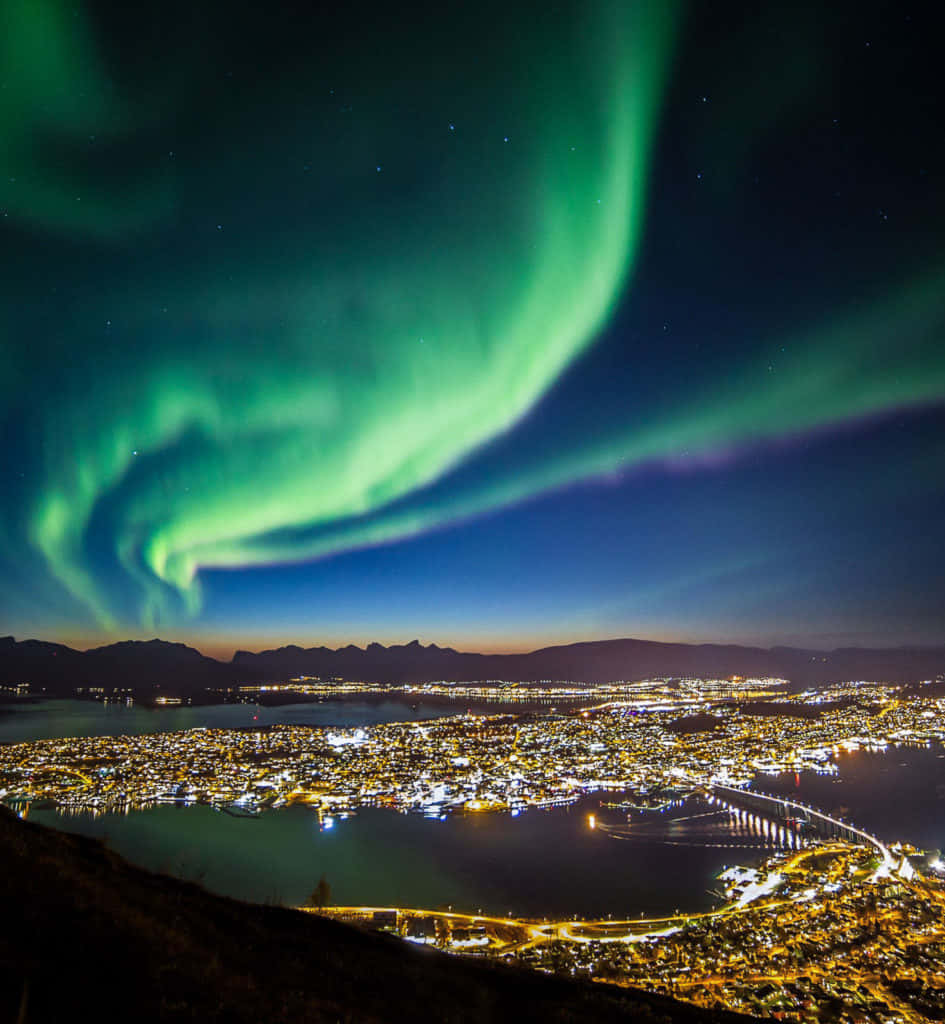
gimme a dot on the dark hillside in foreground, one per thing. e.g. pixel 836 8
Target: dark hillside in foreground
pixel 176 668
pixel 96 938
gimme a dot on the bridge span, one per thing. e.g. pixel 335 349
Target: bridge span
pixel 783 808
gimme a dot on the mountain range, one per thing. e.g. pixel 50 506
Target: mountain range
pixel 175 667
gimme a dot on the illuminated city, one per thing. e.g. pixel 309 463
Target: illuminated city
pixel 830 928
pixel 831 916
pixel 473 761
pixel 472 489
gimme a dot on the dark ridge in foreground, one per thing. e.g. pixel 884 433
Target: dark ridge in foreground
pixel 156 663
pixel 91 937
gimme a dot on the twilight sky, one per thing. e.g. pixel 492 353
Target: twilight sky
pixel 489 329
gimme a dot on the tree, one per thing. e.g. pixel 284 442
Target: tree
pixel 321 894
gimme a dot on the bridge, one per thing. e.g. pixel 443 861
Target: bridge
pixel 783 809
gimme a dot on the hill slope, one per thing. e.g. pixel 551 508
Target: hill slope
pixel 97 938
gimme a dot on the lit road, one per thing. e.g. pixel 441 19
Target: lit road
pixel 533 931
pixel 521 932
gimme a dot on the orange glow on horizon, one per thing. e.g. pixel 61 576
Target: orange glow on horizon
pixel 222 646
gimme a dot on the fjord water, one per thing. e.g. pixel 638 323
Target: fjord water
pixel 896 794
pixel 52 719
pixel 540 863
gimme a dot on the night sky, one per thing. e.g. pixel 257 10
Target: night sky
pixel 495 325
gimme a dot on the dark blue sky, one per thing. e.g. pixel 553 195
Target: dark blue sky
pixel 824 540
pixel 474 330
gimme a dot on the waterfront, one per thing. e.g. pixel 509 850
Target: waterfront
pixel 550 772
pixel 537 863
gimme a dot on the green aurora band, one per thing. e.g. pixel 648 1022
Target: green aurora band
pixel 293 402
pixel 396 348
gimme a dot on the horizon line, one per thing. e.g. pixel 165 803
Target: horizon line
pixel 262 648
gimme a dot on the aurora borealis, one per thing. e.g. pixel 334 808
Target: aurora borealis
pixel 626 320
